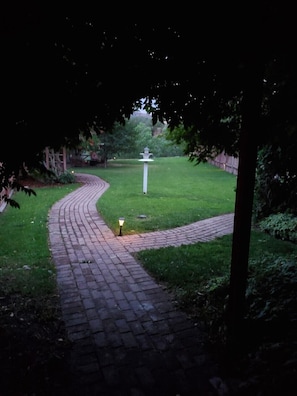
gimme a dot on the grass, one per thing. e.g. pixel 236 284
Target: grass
pixel 33 340
pixel 196 270
pixel 178 193
pixel 198 274
pixel 26 264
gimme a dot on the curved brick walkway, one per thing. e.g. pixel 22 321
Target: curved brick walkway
pixel 127 336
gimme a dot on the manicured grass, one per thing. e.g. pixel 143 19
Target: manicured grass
pixel 25 261
pixel 178 193
pixel 34 341
pixel 197 269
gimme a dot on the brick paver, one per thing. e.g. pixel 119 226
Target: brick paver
pixel 128 336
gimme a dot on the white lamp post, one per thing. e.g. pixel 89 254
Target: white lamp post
pixel 145 159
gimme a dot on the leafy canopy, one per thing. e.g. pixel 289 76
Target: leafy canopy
pixel 71 69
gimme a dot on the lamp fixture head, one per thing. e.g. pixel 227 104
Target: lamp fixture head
pixel 121 223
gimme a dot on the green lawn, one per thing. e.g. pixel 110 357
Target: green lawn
pixel 179 192
pixel 25 260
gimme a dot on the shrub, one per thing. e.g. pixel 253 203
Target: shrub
pixel 272 288
pixel 280 225
pixel 66 177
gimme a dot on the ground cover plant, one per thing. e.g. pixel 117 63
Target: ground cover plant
pixel 280 225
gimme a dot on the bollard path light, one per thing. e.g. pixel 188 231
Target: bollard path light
pixel 121 223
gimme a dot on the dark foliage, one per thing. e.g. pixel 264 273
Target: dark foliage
pixel 69 68
pixel 8 184
pixel 276 182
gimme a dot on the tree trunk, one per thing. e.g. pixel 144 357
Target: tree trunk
pixel 249 138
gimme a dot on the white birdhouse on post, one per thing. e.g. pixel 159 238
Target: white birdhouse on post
pixel 145 159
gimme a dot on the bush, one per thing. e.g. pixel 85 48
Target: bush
pixel 272 288
pixel 66 177
pixel 280 225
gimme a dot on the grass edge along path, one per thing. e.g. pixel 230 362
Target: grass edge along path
pixel 179 193
pixel 271 269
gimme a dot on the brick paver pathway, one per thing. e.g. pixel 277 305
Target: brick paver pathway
pixel 128 337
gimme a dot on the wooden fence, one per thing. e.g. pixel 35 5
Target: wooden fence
pixel 52 160
pixel 6 192
pixel 226 162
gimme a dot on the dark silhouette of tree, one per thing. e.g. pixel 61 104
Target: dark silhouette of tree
pixel 222 71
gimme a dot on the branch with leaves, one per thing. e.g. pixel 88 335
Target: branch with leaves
pixel 9 184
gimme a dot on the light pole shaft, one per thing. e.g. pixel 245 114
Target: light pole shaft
pixel 145 172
